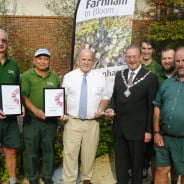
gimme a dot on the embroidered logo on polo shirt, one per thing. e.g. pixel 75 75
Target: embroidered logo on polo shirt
pixel 11 71
pixel 50 83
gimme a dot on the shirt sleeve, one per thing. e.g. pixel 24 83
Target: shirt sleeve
pixel 25 86
pixel 64 84
pixel 158 99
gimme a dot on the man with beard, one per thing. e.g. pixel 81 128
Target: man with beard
pixel 168 124
pixel 168 70
pixel 167 62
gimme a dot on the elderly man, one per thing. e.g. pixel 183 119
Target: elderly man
pixel 9 132
pixel 131 103
pixel 168 124
pixel 39 131
pixel 86 97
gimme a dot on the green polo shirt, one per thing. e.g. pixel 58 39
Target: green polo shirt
pixel 154 67
pixel 9 72
pixel 32 85
pixel 170 99
pixel 161 77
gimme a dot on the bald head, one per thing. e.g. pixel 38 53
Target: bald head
pixel 86 60
pixel 179 61
pixel 85 51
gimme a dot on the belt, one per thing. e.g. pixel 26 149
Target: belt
pixel 82 119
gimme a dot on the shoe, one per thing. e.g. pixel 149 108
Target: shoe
pixel 130 173
pixel 47 181
pixel 87 182
pixel 144 173
pixel 33 182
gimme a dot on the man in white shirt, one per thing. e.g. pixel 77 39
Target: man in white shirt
pixel 84 105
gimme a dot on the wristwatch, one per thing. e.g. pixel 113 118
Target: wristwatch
pixel 156 132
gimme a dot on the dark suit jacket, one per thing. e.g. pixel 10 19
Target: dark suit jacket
pixel 134 114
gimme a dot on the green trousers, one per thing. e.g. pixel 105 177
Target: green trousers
pixel 38 154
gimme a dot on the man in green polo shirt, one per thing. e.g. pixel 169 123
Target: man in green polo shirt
pixel 9 132
pixel 147 50
pixel 169 124
pixel 39 131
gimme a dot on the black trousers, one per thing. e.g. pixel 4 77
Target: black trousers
pixel 129 152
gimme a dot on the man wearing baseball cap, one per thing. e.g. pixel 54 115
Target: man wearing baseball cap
pixel 39 131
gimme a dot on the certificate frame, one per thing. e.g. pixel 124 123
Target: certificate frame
pixel 11 102
pixel 54 102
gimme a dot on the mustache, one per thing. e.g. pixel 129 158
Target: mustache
pixel 180 67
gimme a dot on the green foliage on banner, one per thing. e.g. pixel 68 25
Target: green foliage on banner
pixel 106 37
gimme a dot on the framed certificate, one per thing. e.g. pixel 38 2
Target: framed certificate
pixel 11 99
pixel 54 102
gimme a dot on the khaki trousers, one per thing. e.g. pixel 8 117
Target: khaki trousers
pixel 79 135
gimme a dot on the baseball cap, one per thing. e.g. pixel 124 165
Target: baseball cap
pixel 42 51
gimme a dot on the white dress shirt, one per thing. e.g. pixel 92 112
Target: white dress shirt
pixel 96 91
pixel 135 72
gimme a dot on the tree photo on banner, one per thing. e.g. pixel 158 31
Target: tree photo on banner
pixel 105 27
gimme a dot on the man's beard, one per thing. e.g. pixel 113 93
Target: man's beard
pixel 169 70
pixel 181 75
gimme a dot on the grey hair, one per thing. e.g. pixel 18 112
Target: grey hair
pixel 4 32
pixel 133 46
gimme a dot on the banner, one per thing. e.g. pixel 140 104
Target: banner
pixel 105 27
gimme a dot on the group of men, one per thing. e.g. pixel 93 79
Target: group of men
pixel 141 112
pixel 132 108
pixel 81 131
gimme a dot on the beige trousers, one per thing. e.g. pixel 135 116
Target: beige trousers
pixel 79 135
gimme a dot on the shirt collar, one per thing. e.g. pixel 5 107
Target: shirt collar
pixel 35 73
pixel 82 73
pixel 136 70
pixel 7 59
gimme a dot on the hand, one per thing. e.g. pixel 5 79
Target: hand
pixel 2 115
pixel 158 140
pixel 64 117
pixel 147 137
pixel 39 114
pixel 109 113
pixel 99 114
